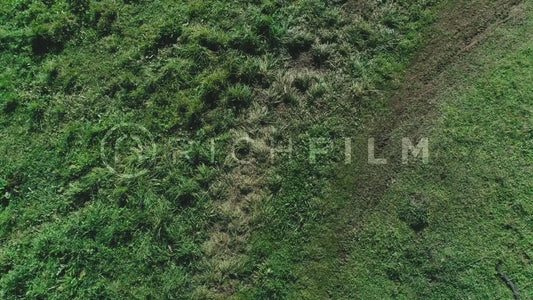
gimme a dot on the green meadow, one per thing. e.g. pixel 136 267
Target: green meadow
pixel 219 149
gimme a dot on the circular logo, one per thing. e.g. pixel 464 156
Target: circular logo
pixel 127 150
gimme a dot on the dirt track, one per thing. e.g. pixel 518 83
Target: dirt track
pixel 460 28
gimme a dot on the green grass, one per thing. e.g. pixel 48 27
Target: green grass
pixel 439 230
pixel 189 73
pixel 193 223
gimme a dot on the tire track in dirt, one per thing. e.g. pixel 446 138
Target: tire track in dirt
pixel 461 27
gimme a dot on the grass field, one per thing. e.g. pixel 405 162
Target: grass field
pixel 440 230
pixel 145 149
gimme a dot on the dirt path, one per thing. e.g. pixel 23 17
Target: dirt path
pixel 460 28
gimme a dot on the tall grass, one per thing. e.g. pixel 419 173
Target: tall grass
pixel 193 224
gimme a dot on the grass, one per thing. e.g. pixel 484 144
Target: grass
pixel 474 197
pixel 439 230
pixel 188 73
pixel 193 78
